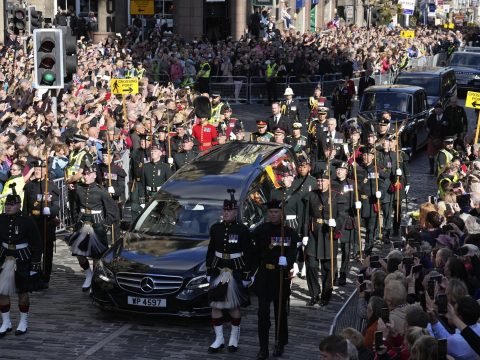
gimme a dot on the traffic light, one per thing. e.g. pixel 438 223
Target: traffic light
pixel 48 58
pixel 34 19
pixel 19 20
pixel 69 52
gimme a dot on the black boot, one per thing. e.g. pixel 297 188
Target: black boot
pixel 342 280
pixel 313 301
pixel 326 298
pixel 278 351
pixel 262 354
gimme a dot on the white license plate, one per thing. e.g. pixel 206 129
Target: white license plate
pixel 149 302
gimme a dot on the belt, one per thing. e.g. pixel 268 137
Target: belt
pixel 270 266
pixel 90 211
pixel 228 256
pixel 321 221
pixel 149 188
pixel 14 246
pixel 36 212
pixel 291 217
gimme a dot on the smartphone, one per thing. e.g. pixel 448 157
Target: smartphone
pixel 363 287
pixel 431 288
pixel 416 268
pixel 456 185
pixel 407 261
pixel 442 349
pixel 378 339
pixel 375 264
pixel 385 315
pixel 374 258
pixel 360 278
pixel 442 303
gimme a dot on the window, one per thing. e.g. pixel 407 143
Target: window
pixel 86 6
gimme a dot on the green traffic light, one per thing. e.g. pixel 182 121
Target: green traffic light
pixel 48 78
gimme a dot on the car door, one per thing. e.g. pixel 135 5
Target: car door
pixel 421 115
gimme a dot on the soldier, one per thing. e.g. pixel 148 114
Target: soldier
pixel 262 135
pixel 383 128
pixel 297 140
pixel 315 102
pixel 350 150
pixel 271 261
pixel 229 260
pixel 458 117
pixel 42 203
pixel 139 158
pixel 342 101
pixel 176 141
pixel 186 153
pixel 317 224
pixel 445 155
pixel 387 160
pixel 333 136
pixel 112 177
pixel 20 254
pixel 370 197
pixel 154 173
pixel 279 135
pixel 229 125
pixel 330 153
pixel 205 133
pixel 316 139
pixel 97 212
pixel 345 195
pixel 289 107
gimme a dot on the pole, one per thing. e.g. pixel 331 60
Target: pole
pixel 376 191
pixel 356 200
pixel 54 105
pixel 124 108
pixel 109 159
pixel 397 183
pixel 330 229
pixel 478 129
pixel 280 287
pixel 45 204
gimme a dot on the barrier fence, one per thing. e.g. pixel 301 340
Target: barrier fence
pixel 64 213
pixel 347 316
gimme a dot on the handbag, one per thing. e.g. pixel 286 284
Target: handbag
pixel 218 293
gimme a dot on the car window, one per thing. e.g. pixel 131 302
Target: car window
pixel 431 84
pixel 418 106
pixel 236 153
pixel 465 59
pixel 391 101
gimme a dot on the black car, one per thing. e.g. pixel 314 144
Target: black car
pixel 466 65
pixel 438 82
pixel 406 104
pixel 158 267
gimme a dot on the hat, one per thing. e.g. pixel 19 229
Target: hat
pixel 79 138
pixel 203 108
pixel 297 125
pixel 88 169
pixel 322 174
pixel 288 91
pixel 162 129
pixel 303 160
pixel 230 204
pixel 383 121
pixel 279 130
pixel 274 204
pixel 216 94
pixel 179 125
pixel 323 110
pixel 13 198
pixel 187 138
pixel 341 165
pixel 40 163
pixel 449 139
pixel 156 145
pixel 261 123
pixel 367 150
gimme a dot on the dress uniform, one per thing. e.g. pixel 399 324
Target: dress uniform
pixel 229 261
pixel 369 196
pixel 341 102
pixel 317 225
pixel 139 158
pixel 297 141
pixel 270 261
pixel 114 174
pixel 383 127
pixel 97 213
pixel 317 136
pixel 261 135
pixel 290 107
pixel 350 150
pixel 42 203
pixel 315 102
pixel 345 193
pixel 185 154
pixel 20 255
pixel 205 133
pixel 154 174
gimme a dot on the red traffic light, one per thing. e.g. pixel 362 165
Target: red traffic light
pixel 47 45
pixel 19 14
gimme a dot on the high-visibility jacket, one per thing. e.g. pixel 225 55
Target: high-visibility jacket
pixel 216 113
pixel 19 182
pixel 74 162
pixel 271 71
pixel 448 156
pixel 140 73
pixel 204 71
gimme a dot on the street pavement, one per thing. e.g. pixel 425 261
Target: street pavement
pixel 65 324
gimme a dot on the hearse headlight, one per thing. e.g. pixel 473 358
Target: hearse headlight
pixel 104 273
pixel 199 282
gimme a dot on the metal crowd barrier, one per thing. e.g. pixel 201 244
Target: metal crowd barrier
pixel 304 89
pixel 258 88
pixel 347 316
pixel 163 78
pixel 232 88
pixel 64 214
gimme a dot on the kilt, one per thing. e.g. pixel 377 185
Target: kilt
pixel 433 146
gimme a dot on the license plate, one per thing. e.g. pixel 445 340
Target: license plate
pixel 148 302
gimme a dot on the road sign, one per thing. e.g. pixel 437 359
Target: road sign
pixel 124 86
pixel 407 34
pixel 142 7
pixel 473 100
pixel 349 11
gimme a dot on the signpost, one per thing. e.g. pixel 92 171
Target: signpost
pixel 142 7
pixel 124 86
pixel 407 34
pixel 473 101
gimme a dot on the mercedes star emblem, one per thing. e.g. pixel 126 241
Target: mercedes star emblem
pixel 147 284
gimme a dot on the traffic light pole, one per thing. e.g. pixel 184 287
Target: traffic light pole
pixel 53 96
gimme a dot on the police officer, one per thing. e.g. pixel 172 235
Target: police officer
pixel 20 255
pixel 290 107
pixel 271 71
pixel 318 224
pixel 217 109
pixel 345 195
pixel 297 140
pixel 186 153
pixel 139 157
pixel 368 176
pixel 97 212
pixel 154 173
pixel 270 262
pixel 203 76
pixel 261 135
pixel 445 155
pixel 42 203
pixel 229 260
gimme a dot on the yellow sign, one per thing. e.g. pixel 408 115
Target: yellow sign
pixel 407 34
pixel 449 26
pixel 142 7
pixel 473 100
pixel 124 86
